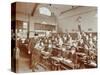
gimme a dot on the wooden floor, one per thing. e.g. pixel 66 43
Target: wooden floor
pixel 24 62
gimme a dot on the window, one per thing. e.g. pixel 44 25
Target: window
pixel 24 25
pixel 45 11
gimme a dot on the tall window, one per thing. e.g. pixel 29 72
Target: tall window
pixel 24 25
pixel 25 29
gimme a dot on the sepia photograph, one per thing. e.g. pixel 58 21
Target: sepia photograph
pixel 53 37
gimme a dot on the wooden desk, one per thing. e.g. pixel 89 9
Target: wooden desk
pixel 64 63
pixel 67 64
pixel 55 61
pixel 45 53
pixel 92 64
pixel 58 59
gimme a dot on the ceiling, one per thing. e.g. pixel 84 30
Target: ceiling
pixel 30 8
pixel 25 8
pixel 59 9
